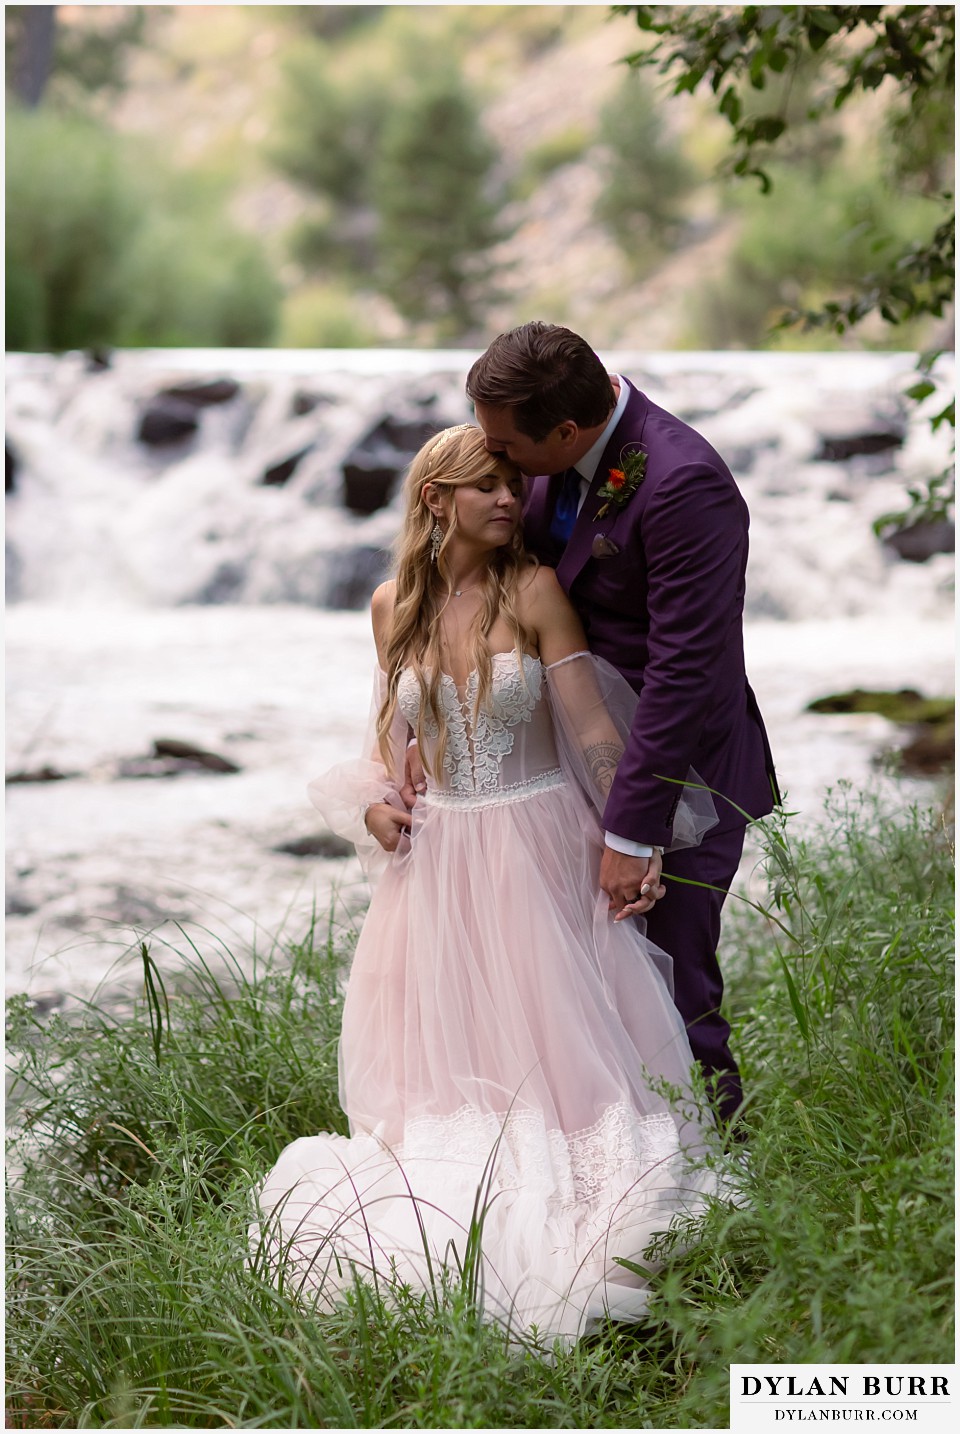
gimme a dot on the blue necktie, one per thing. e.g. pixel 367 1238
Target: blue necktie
pixel 568 503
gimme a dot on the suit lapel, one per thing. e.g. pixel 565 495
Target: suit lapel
pixel 627 433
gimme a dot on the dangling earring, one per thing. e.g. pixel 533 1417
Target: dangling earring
pixel 436 541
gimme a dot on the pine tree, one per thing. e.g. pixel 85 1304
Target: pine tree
pixel 437 217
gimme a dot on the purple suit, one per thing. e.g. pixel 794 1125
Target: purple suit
pixel 666 609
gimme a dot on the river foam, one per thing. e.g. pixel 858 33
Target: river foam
pixel 104 655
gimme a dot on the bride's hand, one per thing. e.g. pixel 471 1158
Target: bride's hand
pixel 388 825
pixel 631 882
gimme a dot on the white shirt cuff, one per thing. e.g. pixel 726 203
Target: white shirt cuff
pixel 628 847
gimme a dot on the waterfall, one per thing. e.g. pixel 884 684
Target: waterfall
pixel 202 477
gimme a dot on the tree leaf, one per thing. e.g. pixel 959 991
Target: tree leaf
pixel 730 105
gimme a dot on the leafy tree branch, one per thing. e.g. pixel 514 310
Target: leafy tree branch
pixel 753 57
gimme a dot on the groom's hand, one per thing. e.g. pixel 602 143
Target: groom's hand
pixel 624 878
pixel 414 778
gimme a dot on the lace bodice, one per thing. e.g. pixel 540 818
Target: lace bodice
pixel 541 728
pixel 508 751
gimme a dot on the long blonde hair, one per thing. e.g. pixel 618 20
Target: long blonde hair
pixel 452 459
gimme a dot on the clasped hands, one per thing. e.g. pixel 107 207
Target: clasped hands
pixel 632 883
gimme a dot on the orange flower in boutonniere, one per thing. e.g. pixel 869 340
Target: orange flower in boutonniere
pixel 622 483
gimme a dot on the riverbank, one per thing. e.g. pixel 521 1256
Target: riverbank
pixel 145 1130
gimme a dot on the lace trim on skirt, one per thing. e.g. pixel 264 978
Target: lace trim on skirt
pixel 503 796
pixel 573 1169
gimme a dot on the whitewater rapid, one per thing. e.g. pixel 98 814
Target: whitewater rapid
pixel 107 653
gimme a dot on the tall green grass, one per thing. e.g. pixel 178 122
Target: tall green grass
pixel 141 1130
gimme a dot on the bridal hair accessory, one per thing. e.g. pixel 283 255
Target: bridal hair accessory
pixel 436 541
pixel 622 483
pixel 442 440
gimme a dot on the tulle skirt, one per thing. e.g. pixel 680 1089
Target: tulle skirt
pixel 511 1064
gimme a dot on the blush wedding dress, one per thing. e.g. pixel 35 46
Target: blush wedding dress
pixel 510 1057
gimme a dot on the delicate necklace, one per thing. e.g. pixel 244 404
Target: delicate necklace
pixel 459 592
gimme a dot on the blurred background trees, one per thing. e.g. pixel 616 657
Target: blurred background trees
pixel 781 76
pixel 109 246
pixel 398 170
pixel 647 176
pixel 335 175
pixel 437 215
pixel 108 241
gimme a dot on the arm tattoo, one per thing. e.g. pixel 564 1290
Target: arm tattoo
pixel 602 759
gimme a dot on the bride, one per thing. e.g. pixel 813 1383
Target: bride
pixel 511 1062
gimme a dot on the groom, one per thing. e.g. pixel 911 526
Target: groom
pixel 648 534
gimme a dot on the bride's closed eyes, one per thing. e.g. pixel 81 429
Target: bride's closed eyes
pixel 489 485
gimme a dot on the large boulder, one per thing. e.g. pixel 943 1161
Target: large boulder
pixel 930 751
pixel 170 758
pixel 304 401
pixel 373 466
pixel 201 393
pixel 352 576
pixel 841 447
pixel 166 421
pixel 930 720
pixel 172 415
pixel 323 844
pixel 919 542
pixel 37 774
pixel 190 753
pixel 278 473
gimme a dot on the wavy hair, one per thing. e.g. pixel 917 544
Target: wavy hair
pixel 454 458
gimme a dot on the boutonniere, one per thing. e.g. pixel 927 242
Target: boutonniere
pixel 622 483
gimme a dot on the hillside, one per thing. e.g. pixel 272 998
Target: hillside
pixel 210 80
pixel 682 258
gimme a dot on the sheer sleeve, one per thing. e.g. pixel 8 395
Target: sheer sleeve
pixel 343 794
pixel 593 712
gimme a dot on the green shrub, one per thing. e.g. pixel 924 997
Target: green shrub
pixel 325 316
pixel 72 215
pixel 106 246
pixel 564 146
pixel 191 279
pixel 820 234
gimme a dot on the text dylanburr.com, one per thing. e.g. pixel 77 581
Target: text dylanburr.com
pixel 780 1396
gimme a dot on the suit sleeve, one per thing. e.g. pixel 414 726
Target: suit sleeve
pixel 694 534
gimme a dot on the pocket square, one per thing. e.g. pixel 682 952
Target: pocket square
pixel 603 548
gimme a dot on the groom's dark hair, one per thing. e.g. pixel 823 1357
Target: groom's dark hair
pixel 544 374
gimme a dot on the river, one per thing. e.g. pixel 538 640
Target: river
pixel 122 625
